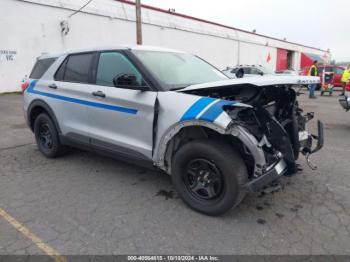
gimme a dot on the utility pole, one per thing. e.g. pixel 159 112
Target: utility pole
pixel 138 22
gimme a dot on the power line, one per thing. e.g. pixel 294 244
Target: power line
pixel 88 2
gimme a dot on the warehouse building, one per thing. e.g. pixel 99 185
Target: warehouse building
pixel 32 27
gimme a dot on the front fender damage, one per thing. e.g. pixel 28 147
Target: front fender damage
pixel 221 124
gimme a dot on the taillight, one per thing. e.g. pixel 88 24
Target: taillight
pixel 347 87
pixel 24 86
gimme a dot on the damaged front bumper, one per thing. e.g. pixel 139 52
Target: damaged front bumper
pixel 272 174
pixel 306 144
pixel 280 167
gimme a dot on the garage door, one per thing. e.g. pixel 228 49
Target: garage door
pixel 282 63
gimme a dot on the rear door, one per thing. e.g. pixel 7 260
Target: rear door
pixel 67 93
pixel 125 125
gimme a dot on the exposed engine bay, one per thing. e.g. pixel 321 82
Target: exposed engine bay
pixel 274 118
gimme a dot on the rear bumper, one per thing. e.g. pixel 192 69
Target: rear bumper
pixel 273 173
pixel 345 102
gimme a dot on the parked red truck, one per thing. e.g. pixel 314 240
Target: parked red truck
pixel 337 70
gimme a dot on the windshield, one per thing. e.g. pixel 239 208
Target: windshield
pixel 178 70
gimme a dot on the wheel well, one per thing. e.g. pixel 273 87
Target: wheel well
pixel 190 133
pixel 34 113
pixel 36 108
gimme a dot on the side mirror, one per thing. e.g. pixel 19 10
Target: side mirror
pixel 128 81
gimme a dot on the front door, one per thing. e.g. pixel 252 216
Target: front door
pixel 125 125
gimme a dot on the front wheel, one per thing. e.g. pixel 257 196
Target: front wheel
pixel 209 176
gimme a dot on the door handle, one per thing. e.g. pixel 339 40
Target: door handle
pixel 99 93
pixel 53 86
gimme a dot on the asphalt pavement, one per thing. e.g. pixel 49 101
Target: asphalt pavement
pixel 84 203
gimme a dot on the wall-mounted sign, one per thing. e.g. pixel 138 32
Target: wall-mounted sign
pixel 7 55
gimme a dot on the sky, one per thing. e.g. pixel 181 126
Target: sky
pixel 318 23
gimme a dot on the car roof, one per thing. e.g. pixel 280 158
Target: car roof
pixel 109 48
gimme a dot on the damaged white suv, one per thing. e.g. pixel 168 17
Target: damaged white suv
pixel 218 138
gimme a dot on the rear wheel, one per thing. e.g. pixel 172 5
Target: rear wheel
pixel 209 176
pixel 46 136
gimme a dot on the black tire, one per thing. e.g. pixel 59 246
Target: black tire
pixel 46 137
pixel 218 157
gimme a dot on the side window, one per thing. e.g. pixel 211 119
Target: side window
pixel 60 72
pixel 41 67
pixel 246 70
pixel 338 71
pixel 255 71
pixel 113 64
pixel 77 68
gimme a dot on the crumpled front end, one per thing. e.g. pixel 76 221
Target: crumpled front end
pixel 274 147
pixel 272 128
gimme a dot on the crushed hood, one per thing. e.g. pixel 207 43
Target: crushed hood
pixel 258 81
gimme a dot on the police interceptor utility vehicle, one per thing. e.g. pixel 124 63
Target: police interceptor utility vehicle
pixel 218 138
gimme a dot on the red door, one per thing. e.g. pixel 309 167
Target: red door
pixel 282 63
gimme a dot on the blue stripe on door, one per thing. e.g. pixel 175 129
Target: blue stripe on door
pixel 196 108
pixel 31 90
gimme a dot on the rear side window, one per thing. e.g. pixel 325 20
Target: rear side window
pixel 41 67
pixel 75 68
